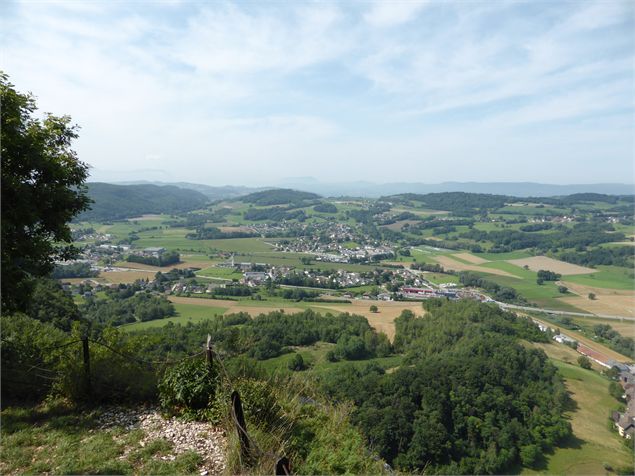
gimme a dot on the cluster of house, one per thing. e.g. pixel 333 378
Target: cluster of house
pixel 408 292
pixel 93 236
pixel 153 251
pixel 625 422
pixel 361 253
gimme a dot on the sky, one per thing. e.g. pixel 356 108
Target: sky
pixel 253 92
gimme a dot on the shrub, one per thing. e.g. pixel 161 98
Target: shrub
pixel 189 385
pixel 584 362
pixel 296 363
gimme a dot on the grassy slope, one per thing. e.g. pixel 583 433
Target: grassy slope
pixel 185 313
pixel 613 277
pixel 594 443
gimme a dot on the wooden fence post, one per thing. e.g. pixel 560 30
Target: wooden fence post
pixel 241 426
pixel 208 352
pixel 283 467
pixel 86 352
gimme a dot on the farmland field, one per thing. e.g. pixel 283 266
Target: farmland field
pixel 606 301
pixel 452 264
pixel 537 263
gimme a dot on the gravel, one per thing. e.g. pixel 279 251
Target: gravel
pixel 203 438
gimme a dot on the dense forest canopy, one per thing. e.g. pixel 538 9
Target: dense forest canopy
pixel 472 399
pixel 116 202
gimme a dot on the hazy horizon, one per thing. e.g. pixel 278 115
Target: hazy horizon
pixel 252 94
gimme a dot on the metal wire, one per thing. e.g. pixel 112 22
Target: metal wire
pixel 143 361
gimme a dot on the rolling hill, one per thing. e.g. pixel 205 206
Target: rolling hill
pixel 116 202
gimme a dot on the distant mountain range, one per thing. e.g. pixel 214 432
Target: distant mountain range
pixel 373 190
pixel 516 189
pixel 222 192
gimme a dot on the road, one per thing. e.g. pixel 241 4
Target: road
pixel 564 313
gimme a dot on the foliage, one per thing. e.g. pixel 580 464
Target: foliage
pixel 73 270
pixel 297 363
pixel 500 293
pixel 325 208
pixel 274 214
pixel 164 259
pixel 27 347
pixel 188 386
pixel 118 202
pixel 472 399
pixel 616 256
pixel 42 190
pixel 124 308
pixel 278 197
pixel 214 233
pixel 614 340
pixel 584 362
pixel 548 275
pixel 50 303
pixel 580 235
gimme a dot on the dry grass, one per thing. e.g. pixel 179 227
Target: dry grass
pixel 449 263
pixel 626 328
pixel 126 276
pixel 382 321
pixel 607 301
pixel 537 263
pixel 471 258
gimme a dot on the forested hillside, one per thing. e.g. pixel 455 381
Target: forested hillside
pixel 115 202
pixel 281 196
pixel 470 399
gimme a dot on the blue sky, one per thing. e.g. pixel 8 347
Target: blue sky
pixel 254 92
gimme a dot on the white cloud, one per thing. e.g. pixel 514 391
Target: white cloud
pixel 203 90
pixel 392 13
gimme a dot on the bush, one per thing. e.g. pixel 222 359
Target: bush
pixel 584 362
pixel 27 347
pixel 296 363
pixel 189 385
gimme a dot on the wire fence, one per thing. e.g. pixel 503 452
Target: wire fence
pixel 250 449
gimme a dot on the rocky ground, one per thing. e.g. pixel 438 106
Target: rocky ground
pixel 203 438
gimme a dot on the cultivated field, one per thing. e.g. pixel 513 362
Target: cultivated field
pixel 454 265
pixel 126 276
pixel 470 258
pixel 537 263
pixel 607 301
